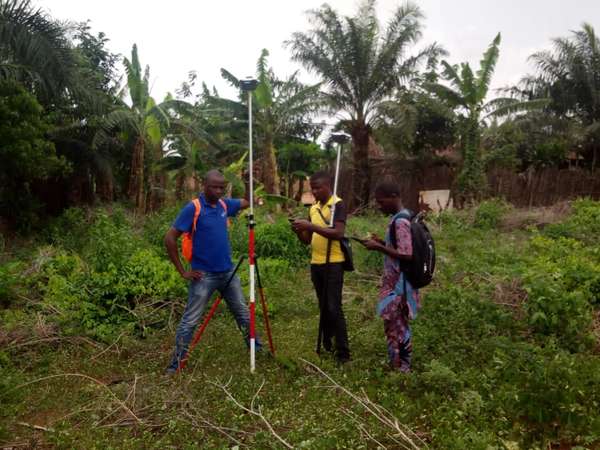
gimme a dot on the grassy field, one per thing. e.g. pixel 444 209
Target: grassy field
pixel 506 350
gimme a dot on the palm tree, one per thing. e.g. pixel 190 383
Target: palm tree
pixel 35 50
pixel 362 65
pixel 281 109
pixel 467 94
pixel 570 75
pixel 144 123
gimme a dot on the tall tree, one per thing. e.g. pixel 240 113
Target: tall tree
pixel 143 123
pixel 25 151
pixel 467 94
pixel 569 75
pixel 281 109
pixel 415 124
pixel 362 64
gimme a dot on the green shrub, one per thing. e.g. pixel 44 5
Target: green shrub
pixel 110 241
pixel 10 280
pixel 556 311
pixel 100 302
pixel 549 391
pixel 489 212
pixel 273 240
pixel 583 224
pixel 157 224
pixel 562 280
pixel 70 229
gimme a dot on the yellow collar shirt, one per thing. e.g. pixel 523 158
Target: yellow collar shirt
pixel 318 212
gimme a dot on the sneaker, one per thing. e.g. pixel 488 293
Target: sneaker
pixel 170 371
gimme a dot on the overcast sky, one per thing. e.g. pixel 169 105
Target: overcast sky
pixel 177 36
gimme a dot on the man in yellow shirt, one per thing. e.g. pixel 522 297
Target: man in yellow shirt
pixel 327 259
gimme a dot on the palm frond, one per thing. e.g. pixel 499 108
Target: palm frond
pixel 264 91
pixel 446 94
pixel 486 68
pixel 230 78
pixel 36 46
pixel 501 107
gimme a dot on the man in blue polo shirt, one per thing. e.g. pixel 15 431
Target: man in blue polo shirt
pixel 211 264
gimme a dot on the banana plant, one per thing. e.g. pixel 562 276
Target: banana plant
pixel 281 109
pixel 144 123
pixel 467 95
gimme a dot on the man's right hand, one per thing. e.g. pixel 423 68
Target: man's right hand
pixel 192 275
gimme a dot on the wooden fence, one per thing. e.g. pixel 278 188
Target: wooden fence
pixel 540 187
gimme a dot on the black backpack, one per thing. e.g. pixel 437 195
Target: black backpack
pixel 419 270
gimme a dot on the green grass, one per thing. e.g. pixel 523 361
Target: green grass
pixel 486 374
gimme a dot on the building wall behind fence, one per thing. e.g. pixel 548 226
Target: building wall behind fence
pixel 542 187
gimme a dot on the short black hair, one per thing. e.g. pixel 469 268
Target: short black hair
pixel 388 189
pixel 213 173
pixel 322 176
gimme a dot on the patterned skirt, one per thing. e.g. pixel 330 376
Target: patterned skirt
pixel 396 310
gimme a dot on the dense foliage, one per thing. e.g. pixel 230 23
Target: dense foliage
pixel 93 171
pixel 505 345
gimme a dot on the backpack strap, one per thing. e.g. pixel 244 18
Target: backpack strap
pixel 402 214
pixel 223 204
pixel 198 208
pixel 319 210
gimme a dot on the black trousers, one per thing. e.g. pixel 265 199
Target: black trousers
pixel 328 281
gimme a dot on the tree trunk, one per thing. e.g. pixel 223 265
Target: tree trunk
pixel 270 175
pixel 301 182
pixel 361 174
pixel 104 187
pixel 290 186
pixel 136 178
pixel 158 181
pixel 157 191
pixel 179 185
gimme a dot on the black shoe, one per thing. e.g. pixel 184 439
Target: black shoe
pixel 341 360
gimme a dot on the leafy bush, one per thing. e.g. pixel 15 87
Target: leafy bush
pixel 273 240
pixel 9 282
pixel 583 224
pixel 110 242
pixel 489 212
pixel 70 229
pixel 100 300
pixel 157 224
pixel 562 280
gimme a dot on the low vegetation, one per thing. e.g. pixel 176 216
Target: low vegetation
pixel 506 345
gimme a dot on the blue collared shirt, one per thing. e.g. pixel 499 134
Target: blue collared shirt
pixel 211 247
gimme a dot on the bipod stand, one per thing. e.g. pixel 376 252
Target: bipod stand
pixel 263 302
pixel 211 313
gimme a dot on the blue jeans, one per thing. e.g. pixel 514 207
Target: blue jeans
pixel 200 291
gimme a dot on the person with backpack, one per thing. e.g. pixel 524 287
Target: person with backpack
pixel 409 262
pixel 327 263
pixel 203 222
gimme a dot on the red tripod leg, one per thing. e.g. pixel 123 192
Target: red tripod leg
pixel 266 316
pixel 263 302
pixel 198 334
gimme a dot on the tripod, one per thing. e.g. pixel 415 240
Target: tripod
pixel 200 331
